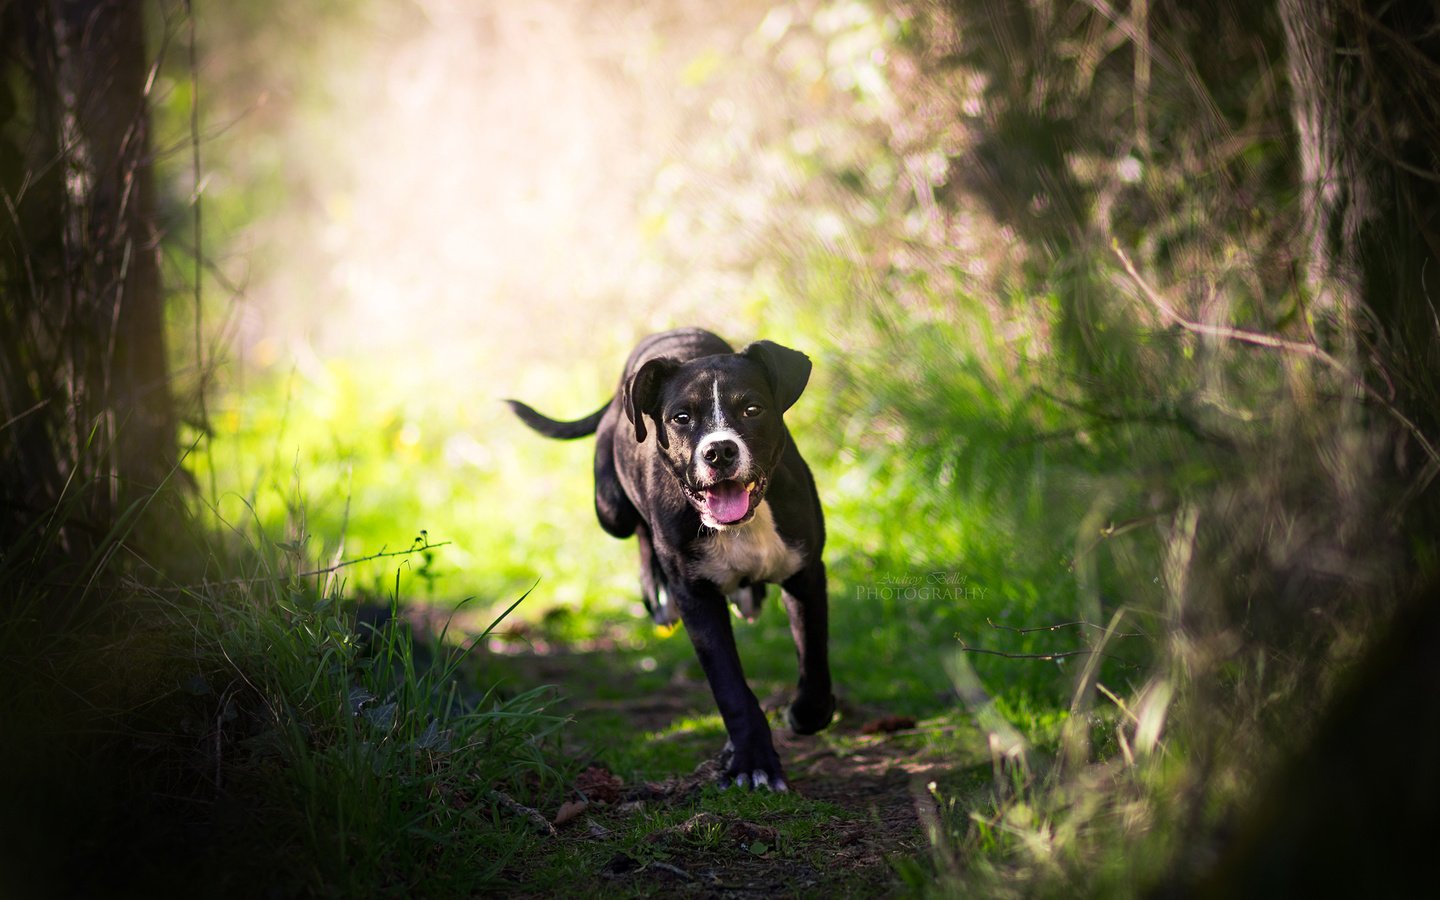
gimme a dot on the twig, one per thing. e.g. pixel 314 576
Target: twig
pixel 1053 657
pixel 1259 339
pixel 510 803
pixel 1171 418
pixel 18 416
pixel 673 870
pixel 1120 704
pixel 343 564
pixel 363 559
pixel 993 624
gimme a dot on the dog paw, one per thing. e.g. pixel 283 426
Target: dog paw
pixel 745 771
pixel 807 716
pixel 747 601
pixel 660 607
pixel 761 780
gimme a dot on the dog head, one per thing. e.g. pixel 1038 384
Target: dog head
pixel 718 423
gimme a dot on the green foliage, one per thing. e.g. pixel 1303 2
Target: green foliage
pixel 1020 245
pixel 371 757
pixel 341 758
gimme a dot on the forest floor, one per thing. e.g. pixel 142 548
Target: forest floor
pixel 643 816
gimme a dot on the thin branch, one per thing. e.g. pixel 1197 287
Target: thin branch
pixel 1078 624
pixel 18 416
pixel 1313 351
pixel 327 570
pixel 1045 657
pixel 383 554
pixel 673 870
pixel 537 821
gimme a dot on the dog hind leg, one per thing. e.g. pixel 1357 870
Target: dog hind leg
pixel 617 514
pixel 807 605
pixel 747 600
pixel 653 589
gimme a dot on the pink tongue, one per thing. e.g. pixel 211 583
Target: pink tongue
pixel 728 501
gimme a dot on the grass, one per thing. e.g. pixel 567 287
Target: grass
pixel 981 536
pixel 389 768
pixel 940 478
pixel 1071 545
pixel 244 732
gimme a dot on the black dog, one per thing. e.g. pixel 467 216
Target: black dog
pixel 722 504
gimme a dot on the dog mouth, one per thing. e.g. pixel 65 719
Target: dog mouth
pixel 727 502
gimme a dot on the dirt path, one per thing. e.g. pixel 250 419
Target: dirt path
pixel 857 808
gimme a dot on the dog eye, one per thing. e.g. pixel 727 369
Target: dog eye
pixel 681 418
pixel 752 411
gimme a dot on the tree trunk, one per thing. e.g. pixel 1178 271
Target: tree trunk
pixel 1365 89
pixel 82 316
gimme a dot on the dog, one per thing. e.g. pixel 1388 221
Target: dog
pixel 693 459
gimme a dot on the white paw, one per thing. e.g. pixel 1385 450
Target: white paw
pixel 665 612
pixel 758 780
pixel 743 599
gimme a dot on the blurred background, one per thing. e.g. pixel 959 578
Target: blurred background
pixel 416 211
pixel 1124 409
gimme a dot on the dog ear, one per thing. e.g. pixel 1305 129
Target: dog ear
pixel 642 395
pixel 789 370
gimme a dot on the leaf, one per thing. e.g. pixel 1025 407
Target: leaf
pixel 759 848
pixel 570 810
pixel 600 785
pixel 434 738
pixel 381 717
pixel 358 699
pixel 888 725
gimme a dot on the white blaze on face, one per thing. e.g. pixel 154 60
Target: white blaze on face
pixel 721 432
pixel 719 410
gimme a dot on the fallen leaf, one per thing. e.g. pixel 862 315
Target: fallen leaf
pixel 570 810
pixel 887 724
pixel 599 785
pixel 749 832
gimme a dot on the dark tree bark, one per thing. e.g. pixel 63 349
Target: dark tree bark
pixel 1365 87
pixel 88 422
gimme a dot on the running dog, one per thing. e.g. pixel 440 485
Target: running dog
pixel 693 458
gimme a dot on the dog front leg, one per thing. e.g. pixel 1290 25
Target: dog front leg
pixel 752 760
pixel 807 605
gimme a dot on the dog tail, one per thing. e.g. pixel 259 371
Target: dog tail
pixel 551 428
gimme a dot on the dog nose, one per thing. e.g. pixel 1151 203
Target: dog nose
pixel 720 453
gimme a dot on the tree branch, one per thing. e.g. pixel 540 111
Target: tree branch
pixel 1259 339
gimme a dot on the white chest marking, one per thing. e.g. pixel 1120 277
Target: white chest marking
pixel 751 551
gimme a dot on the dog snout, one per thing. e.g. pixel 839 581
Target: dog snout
pixel 721 454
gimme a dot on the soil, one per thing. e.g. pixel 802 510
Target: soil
pixel 878 782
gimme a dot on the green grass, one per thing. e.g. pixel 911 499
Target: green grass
pixel 387 769
pixel 969 519
pixel 966 513
pixel 241 732
pixel 711 829
pixel 946 488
